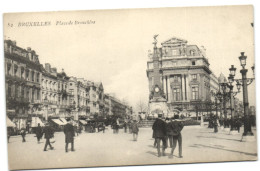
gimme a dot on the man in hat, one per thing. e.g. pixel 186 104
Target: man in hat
pixel 176 126
pixel 48 134
pixel 38 132
pixel 159 128
pixel 69 135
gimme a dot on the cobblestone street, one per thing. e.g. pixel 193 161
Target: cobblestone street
pixel 104 149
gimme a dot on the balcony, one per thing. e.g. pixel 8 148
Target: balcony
pixel 17 100
pixel 50 102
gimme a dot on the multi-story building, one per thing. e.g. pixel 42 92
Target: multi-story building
pixel 117 107
pixel 78 95
pixel 107 103
pixel 185 75
pixel 49 89
pixel 96 98
pixel 23 79
pixel 64 108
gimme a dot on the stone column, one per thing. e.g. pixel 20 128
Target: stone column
pixel 164 85
pixel 188 88
pixel 182 87
pixel 169 89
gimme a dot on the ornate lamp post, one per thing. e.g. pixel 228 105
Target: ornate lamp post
pixel 245 82
pixel 232 93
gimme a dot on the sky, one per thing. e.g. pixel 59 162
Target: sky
pixel 114 50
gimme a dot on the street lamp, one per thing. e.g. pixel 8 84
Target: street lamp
pixel 245 82
pixel 232 93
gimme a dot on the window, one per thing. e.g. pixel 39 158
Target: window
pixel 195 93
pixel 71 91
pixel 22 92
pixel 32 76
pixel 71 84
pixel 15 69
pixel 38 94
pixel 176 94
pixel 192 52
pixel 27 74
pixel 32 95
pixel 193 63
pixel 22 71
pixel 38 78
pixel 9 68
pixel 176 78
pixel 194 76
pixel 15 90
pixel 9 90
pixel 174 52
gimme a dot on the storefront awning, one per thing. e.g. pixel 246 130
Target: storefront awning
pixel 63 120
pixel 57 121
pixel 83 122
pixel 9 123
pixel 36 121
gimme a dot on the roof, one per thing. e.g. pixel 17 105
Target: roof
pixel 174 40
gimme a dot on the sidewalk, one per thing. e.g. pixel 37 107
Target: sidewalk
pixel 200 144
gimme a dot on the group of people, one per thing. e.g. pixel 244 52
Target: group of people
pixel 48 133
pixel 167 130
pixel 131 125
pixel 232 123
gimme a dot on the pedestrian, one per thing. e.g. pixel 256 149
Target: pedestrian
pixel 159 128
pixel 23 133
pixel 75 127
pixel 48 134
pixel 9 132
pixel 215 125
pixel 69 135
pixel 38 132
pixel 135 130
pixel 238 124
pixel 117 125
pixel 130 126
pixel 103 127
pixel 167 137
pixel 177 127
pixel 125 126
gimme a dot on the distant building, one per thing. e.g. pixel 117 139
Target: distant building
pixel 185 75
pixel 116 107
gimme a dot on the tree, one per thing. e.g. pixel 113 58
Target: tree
pixel 141 106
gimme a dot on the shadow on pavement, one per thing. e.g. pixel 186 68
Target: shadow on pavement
pixel 219 138
pixel 219 148
pixel 153 153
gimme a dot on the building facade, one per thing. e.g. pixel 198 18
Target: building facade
pixel 184 74
pixel 64 108
pixel 49 89
pixel 23 80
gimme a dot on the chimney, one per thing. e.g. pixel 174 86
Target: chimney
pixel 29 49
pixel 14 43
pixel 48 67
pixel 54 70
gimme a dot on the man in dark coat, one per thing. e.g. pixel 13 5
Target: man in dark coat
pixel 159 128
pixel 38 132
pixel 23 133
pixel 176 126
pixel 69 135
pixel 48 134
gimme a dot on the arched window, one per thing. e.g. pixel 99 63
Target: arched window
pixel 192 52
